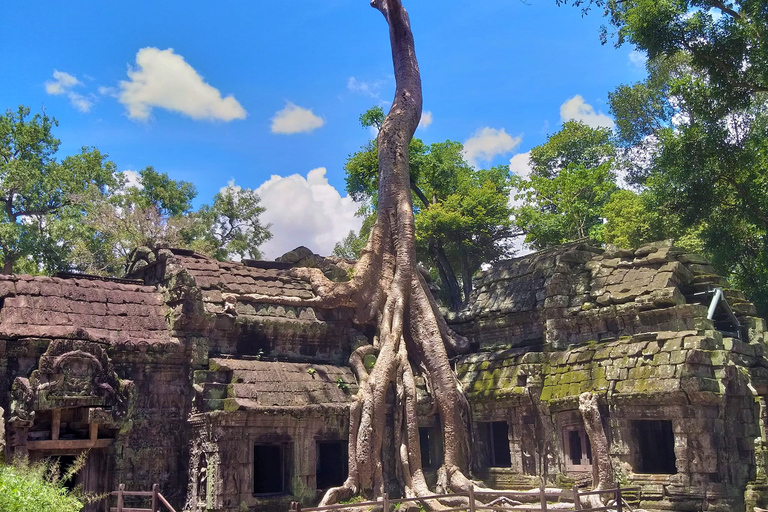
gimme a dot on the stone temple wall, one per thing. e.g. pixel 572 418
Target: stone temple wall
pixel 632 328
pixel 193 372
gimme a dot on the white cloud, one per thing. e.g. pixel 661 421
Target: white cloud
pixel 488 143
pixel 577 109
pixel 520 164
pixel 63 83
pixel 638 59
pixel 132 179
pixel 306 211
pixel 295 119
pixel 426 119
pixel 372 89
pixel 80 102
pixel 163 79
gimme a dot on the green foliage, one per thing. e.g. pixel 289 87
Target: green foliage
pixel 79 214
pixel 39 487
pixel 342 385
pixel 311 371
pixel 231 226
pixel 575 144
pixel 701 118
pixel 41 211
pixel 462 214
pixel 171 198
pixel 572 180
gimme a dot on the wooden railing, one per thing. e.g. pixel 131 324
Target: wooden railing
pixel 154 494
pixel 543 496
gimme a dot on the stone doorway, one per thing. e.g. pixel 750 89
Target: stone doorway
pixel 93 478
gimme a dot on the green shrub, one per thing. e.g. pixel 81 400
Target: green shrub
pixel 39 487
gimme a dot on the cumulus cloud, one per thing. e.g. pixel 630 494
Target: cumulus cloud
pixel 306 211
pixel 372 89
pixel 579 110
pixel 520 165
pixel 163 79
pixel 488 143
pixel 638 59
pixel 426 119
pixel 132 179
pixel 295 119
pixel 63 84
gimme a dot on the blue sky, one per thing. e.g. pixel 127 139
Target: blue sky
pixel 263 92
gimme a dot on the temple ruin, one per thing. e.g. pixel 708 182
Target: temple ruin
pixel 186 375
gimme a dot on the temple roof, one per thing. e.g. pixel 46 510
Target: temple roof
pixel 113 311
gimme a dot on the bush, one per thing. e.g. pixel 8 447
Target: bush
pixel 39 487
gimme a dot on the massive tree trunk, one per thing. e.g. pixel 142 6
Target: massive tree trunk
pixel 602 470
pixel 388 291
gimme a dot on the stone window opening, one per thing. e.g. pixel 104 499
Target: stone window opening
pixel 522 380
pixel 495 435
pixel 331 464
pixel 578 449
pixel 430 447
pixel 269 469
pixel 654 447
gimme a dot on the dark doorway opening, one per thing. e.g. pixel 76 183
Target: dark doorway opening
pixel 332 464
pixel 655 442
pixel 495 436
pixel 64 464
pixel 269 469
pixel 499 436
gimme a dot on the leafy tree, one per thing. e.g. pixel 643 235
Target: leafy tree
pixel 169 197
pixel 703 113
pixel 38 194
pixel 231 225
pixel 462 217
pixel 571 182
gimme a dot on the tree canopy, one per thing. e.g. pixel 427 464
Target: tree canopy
pixel 462 213
pixel 79 214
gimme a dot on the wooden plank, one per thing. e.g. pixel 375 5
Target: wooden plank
pixel 94 431
pixel 69 444
pixel 125 509
pixel 609 491
pixel 132 493
pixel 56 424
pixel 165 502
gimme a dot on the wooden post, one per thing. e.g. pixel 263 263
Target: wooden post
pixel 618 498
pixel 543 495
pixel 56 424
pixel 385 502
pixel 94 431
pixel 471 498
pixel 576 500
pixel 295 506
pixel 120 490
pixel 155 489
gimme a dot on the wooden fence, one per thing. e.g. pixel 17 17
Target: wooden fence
pixel 154 494
pixel 543 496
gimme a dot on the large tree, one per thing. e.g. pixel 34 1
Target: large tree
pixel 461 213
pixel 701 118
pixel 388 292
pixel 571 181
pixel 40 209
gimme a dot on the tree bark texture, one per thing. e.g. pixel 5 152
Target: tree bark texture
pixel 602 469
pixel 388 291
